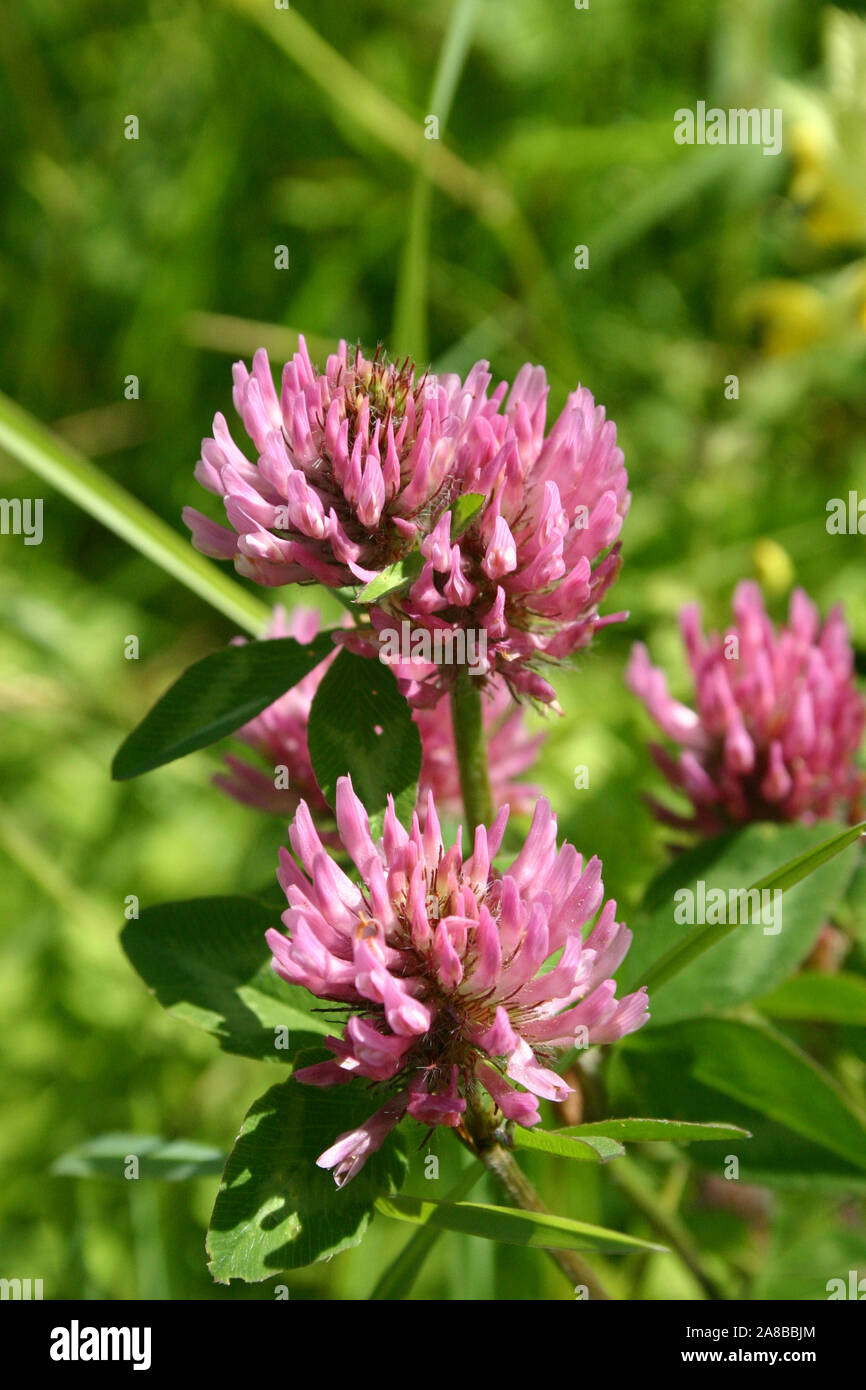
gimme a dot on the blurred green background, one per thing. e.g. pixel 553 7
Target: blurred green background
pixel 261 127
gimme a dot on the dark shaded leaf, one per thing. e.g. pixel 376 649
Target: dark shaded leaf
pixel 276 1209
pixel 207 962
pixel 215 697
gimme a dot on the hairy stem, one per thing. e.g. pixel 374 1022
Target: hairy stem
pixel 471 748
pixel 472 764
pixel 480 1135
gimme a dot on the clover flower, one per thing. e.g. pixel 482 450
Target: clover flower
pixel 531 569
pixel 279 736
pixel 439 965
pixel 777 722
pixel 362 466
pixel 353 466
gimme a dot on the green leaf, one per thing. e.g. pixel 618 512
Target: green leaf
pixel 586 1149
pixel 809 860
pixel 208 963
pixel 27 440
pixel 360 724
pixel 464 510
pixel 399 1278
pixel 761 1067
pixel 804 1127
pixel 850 914
pixel 393 578
pixel 275 1209
pixel 215 697
pixel 170 1160
pixel 651 1131
pixel 839 998
pixel 512 1227
pixel 744 961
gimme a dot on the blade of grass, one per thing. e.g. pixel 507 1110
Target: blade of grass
pixel 700 940
pixel 663 195
pixel 494 321
pixel 410 313
pixel 400 1276
pixel 371 113
pixel 539 1230
pixel 226 333
pixel 363 112
pixel 32 444
pixel 24 848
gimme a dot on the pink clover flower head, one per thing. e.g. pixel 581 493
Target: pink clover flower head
pixel 777 719
pixel 361 466
pixel 438 962
pixel 351 466
pixel 531 569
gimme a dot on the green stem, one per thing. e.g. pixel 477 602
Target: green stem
pixel 478 1132
pixel 471 746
